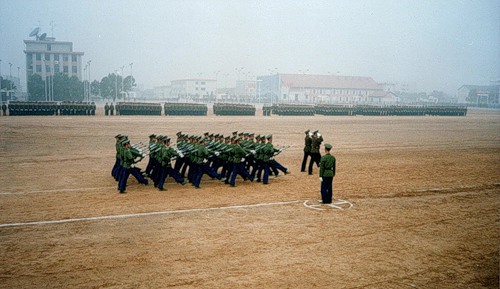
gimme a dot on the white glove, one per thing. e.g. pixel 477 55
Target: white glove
pixel 181 154
pixel 272 158
pixel 132 166
pixel 281 150
pixel 217 153
pixel 320 179
pixel 205 161
pixel 143 155
pixel 253 152
pixel 242 159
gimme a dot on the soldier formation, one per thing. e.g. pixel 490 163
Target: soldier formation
pixel 185 109
pixel 220 157
pixel 391 110
pixel 233 109
pixel 49 108
pixel 291 109
pixel 137 108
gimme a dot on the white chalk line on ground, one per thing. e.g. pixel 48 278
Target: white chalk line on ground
pixel 144 214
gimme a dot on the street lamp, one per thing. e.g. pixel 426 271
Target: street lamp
pixel 116 84
pixel 89 89
pixel 122 76
pixel 85 82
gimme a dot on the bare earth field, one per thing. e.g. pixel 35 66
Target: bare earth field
pixel 426 195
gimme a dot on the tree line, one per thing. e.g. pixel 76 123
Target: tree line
pixel 67 88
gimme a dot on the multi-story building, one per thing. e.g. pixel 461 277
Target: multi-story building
pixel 307 88
pixel 48 57
pixel 193 88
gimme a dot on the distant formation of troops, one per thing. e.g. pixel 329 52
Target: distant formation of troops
pixel 185 109
pixel 233 109
pixel 137 108
pixel 49 108
pixel 220 157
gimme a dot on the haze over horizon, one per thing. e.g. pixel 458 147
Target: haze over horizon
pixel 431 45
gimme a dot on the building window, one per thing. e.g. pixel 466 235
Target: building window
pixel 38 68
pixel 202 88
pixel 65 57
pixel 49 47
pixel 56 68
pixel 284 95
pixel 297 97
pixel 47 68
pixel 47 56
pixel 56 57
pixel 203 83
pixel 65 69
pixel 74 69
pixel 38 56
pixel 73 58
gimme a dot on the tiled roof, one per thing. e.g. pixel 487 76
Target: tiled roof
pixel 328 81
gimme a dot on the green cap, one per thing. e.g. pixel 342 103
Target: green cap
pixel 328 146
pixel 269 136
pixel 307 131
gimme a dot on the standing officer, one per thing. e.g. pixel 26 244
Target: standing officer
pixel 106 109
pixel 307 150
pixel 327 167
pixel 316 141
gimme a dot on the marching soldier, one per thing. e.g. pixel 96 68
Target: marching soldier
pixel 307 150
pixel 316 141
pixel 327 167
pixel 115 172
pixel 106 109
pixel 166 155
pixel 201 164
pixel 128 164
pixel 111 109
pixel 238 163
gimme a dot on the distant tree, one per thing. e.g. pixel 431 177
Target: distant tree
pixel 36 88
pixel 128 83
pixel 95 87
pixel 110 86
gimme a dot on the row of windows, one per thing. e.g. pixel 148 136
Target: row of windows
pixel 74 69
pixel 57 57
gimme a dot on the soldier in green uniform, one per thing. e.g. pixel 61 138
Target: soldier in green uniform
pixel 327 167
pixel 4 109
pixel 317 139
pixel 307 150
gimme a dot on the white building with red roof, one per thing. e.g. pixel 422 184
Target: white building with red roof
pixel 328 89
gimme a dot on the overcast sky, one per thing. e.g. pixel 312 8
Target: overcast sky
pixel 430 44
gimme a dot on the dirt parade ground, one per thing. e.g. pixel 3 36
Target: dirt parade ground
pixel 425 194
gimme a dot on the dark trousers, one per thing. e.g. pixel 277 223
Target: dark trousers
pixel 304 161
pixel 168 171
pixel 315 158
pixel 327 190
pixel 275 166
pixel 200 169
pixel 115 172
pixel 239 168
pixel 125 173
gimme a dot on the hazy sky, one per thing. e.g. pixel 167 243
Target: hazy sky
pixel 431 44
